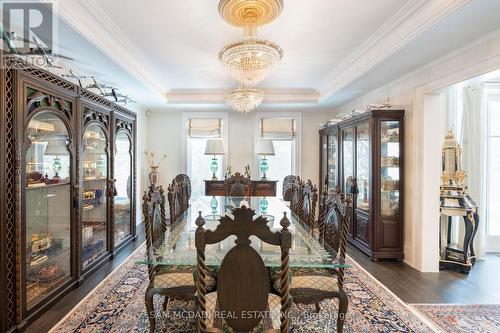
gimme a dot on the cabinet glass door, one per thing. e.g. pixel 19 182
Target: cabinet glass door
pixel 324 158
pixel 348 158
pixel 48 207
pixel 363 166
pixel 332 161
pixel 389 166
pixel 94 205
pixel 123 195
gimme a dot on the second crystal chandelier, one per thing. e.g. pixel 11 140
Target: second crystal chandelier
pixel 249 60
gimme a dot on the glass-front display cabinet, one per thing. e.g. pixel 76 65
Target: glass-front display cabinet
pixel 328 173
pixel 57 195
pixel 372 154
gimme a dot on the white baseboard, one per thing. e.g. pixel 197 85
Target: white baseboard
pixel 408 251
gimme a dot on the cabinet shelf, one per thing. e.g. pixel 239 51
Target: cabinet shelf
pixel 94 179
pixel 36 187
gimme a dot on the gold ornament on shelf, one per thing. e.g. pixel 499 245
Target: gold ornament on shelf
pixel 453 175
pixel 460 176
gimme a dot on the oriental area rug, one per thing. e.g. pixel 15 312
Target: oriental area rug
pixel 456 318
pixel 117 305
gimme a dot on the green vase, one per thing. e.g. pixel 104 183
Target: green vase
pixel 263 205
pixel 214 204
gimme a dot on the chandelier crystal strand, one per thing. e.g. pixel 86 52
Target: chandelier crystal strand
pixel 250 60
pixel 245 99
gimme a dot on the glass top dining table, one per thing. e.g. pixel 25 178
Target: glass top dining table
pixel 177 246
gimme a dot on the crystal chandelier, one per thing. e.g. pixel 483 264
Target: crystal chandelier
pixel 250 60
pixel 245 99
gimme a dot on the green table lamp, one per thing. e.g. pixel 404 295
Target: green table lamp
pixel 214 148
pixel 264 148
pixel 56 147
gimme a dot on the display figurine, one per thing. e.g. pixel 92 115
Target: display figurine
pixel 247 171
pixel 228 172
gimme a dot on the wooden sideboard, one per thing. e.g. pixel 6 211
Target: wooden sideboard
pixel 260 188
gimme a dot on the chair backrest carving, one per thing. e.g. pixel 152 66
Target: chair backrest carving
pixel 179 193
pixel 288 183
pixel 335 219
pixel 243 280
pixel 185 191
pixel 296 199
pixel 237 186
pixel 329 221
pixel 155 219
pixel 309 203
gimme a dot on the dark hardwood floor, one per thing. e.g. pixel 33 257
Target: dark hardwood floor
pixel 480 286
pixel 70 300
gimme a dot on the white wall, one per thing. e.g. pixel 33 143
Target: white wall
pixel 164 134
pixel 141 166
pixel 408 92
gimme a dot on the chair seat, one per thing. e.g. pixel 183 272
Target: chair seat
pixel 270 324
pixel 309 283
pixel 181 281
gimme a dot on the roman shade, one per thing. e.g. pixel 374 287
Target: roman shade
pixel 205 127
pixel 277 128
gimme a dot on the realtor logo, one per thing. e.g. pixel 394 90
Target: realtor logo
pixel 27 28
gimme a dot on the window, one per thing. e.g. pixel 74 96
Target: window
pixel 493 166
pixel 282 131
pixel 199 131
pixel 281 164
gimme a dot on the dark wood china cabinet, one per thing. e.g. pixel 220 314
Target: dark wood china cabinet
pixel 369 148
pixel 63 214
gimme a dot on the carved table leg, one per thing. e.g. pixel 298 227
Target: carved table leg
pixel 476 226
pixel 469 229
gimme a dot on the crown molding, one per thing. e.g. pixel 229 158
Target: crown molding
pixel 217 96
pixel 413 19
pixel 94 24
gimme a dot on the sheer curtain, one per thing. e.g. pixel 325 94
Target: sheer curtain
pixel 473 144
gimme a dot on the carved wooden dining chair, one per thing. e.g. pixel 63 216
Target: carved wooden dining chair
pixel 173 282
pixel 309 204
pixel 185 190
pixel 312 286
pixel 288 183
pixel 237 186
pixel 297 199
pixel 179 193
pixel 243 287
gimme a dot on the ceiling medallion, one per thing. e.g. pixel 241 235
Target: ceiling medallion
pixel 236 12
pixel 245 99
